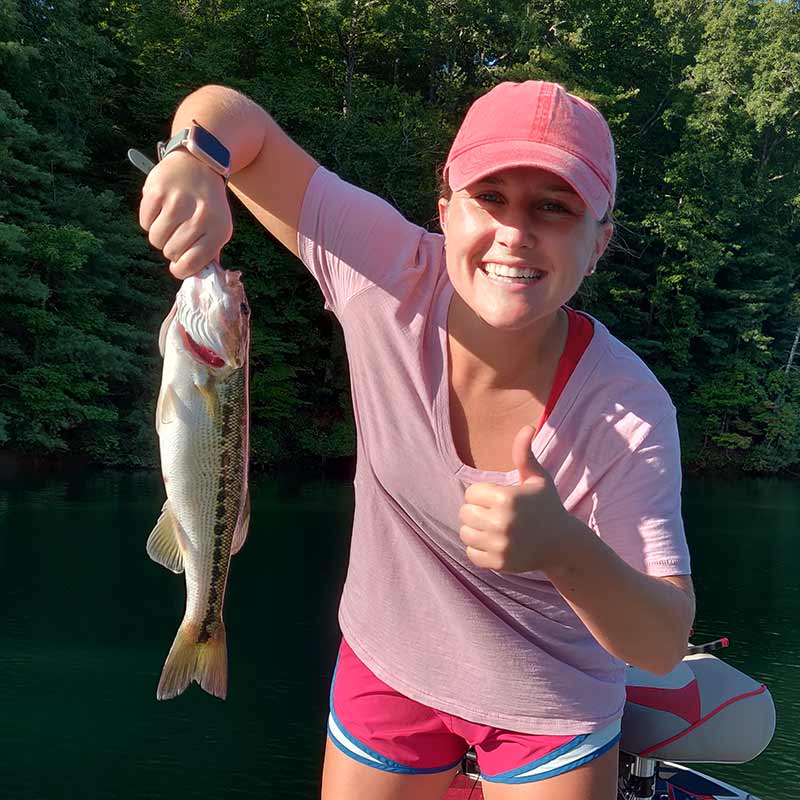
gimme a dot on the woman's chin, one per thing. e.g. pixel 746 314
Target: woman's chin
pixel 508 316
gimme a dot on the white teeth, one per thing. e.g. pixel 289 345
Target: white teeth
pixel 512 272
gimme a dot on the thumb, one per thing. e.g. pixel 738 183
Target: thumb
pixel 523 457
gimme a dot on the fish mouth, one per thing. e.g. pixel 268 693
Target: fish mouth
pixel 204 354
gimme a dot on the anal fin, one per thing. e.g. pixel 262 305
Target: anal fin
pixel 163 544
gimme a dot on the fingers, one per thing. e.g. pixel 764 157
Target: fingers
pixel 185 211
pixel 482 550
pixel 483 539
pixel 174 213
pixel 472 537
pixel 149 208
pixel 488 495
pixel 194 258
pixel 196 243
pixel 180 240
pixel 484 519
pixel 482 559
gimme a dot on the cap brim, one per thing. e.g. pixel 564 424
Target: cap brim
pixel 486 159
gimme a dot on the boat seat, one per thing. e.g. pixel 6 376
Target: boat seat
pixel 705 710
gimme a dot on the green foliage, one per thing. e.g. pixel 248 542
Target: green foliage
pixel 701 96
pixel 77 282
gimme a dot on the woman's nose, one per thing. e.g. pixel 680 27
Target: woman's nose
pixel 516 231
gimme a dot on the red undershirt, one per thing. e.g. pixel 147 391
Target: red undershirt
pixel 579 334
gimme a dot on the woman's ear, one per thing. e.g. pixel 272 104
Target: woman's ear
pixel 443 206
pixel 600 244
pixel 603 238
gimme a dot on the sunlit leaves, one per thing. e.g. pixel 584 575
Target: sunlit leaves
pixel 702 98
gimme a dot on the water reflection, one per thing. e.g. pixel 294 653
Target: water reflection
pixel 89 619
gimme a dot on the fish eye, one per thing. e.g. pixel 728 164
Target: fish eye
pixel 245 308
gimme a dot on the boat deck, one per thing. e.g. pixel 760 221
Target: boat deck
pixel 464 787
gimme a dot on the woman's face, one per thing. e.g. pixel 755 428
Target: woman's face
pixel 520 217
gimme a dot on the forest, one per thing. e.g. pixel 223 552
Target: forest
pixel 702 96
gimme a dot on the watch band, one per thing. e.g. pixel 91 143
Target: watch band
pixel 140 161
pixel 173 144
pixel 190 140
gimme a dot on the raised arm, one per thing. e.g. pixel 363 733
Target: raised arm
pixel 184 205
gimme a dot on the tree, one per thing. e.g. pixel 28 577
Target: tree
pixel 75 275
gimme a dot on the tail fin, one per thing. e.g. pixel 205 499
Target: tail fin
pixel 189 660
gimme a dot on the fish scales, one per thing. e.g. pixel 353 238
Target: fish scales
pixel 228 501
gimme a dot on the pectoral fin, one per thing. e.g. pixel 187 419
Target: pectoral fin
pixel 244 524
pixel 163 544
pixel 208 391
pixel 166 410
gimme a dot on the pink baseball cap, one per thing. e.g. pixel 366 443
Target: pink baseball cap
pixel 536 124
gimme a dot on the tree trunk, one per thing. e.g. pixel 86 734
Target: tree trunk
pixel 793 351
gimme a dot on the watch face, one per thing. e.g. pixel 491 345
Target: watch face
pixel 209 144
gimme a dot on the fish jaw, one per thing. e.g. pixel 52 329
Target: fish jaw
pixel 202 353
pixel 214 315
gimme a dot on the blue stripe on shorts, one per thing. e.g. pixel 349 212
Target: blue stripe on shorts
pixel 580 750
pixel 358 751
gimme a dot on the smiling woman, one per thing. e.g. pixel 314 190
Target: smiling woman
pixel 518 524
pixel 496 228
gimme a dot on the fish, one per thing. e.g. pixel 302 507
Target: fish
pixel 202 420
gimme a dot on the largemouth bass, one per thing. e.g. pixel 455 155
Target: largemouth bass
pixel 203 430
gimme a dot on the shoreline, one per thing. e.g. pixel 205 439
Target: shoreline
pixel 16 465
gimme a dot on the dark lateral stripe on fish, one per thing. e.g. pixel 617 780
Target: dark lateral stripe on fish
pixel 215 594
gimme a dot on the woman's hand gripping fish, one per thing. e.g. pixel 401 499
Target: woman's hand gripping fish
pixel 203 431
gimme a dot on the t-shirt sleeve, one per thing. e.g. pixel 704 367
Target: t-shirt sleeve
pixel 350 239
pixel 637 504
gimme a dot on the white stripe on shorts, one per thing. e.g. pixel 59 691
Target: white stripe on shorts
pixel 593 742
pixel 348 743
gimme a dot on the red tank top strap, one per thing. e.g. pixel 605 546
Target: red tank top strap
pixel 579 334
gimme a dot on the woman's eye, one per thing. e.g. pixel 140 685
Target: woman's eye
pixel 489 197
pixel 556 207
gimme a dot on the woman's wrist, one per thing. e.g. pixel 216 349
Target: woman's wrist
pixel 577 544
pixel 189 158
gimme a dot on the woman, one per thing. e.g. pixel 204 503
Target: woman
pixel 517 536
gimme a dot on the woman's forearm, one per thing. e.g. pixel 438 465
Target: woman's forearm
pixel 641 619
pixel 239 123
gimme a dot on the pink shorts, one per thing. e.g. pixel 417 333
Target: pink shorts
pixel 376 725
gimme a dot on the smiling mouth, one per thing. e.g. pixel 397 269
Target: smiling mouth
pixel 500 274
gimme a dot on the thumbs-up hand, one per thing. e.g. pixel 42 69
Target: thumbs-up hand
pixel 515 528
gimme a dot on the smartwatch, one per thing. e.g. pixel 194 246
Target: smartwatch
pixel 203 145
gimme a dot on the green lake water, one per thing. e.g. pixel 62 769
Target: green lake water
pixel 88 620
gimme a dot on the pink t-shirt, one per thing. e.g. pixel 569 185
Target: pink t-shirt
pixel 494 648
